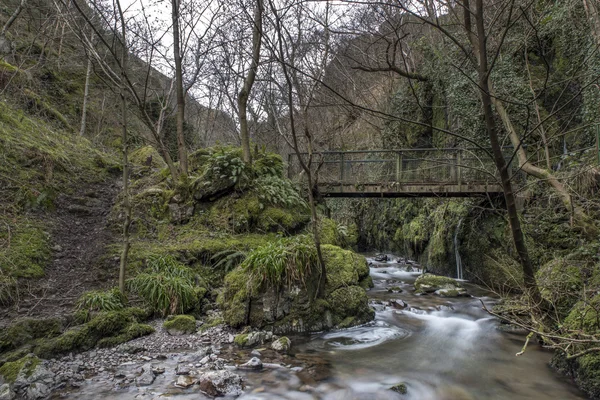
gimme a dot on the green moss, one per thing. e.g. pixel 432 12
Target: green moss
pixel 345 236
pixel 24 248
pixel 26 330
pixel 133 331
pixel 275 219
pixel 211 322
pixel 6 67
pixel 241 339
pixel 147 156
pixel 584 316
pixel 235 297
pixel 350 302
pixel 560 283
pixel 86 336
pixel 10 370
pixel 180 324
pixel 344 267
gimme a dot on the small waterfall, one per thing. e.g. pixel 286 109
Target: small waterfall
pixel 459 268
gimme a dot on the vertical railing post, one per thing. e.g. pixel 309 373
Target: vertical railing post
pixel 342 175
pixel 458 168
pixel 399 166
pixel 289 166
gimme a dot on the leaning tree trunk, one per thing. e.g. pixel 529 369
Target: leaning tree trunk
pixel 501 165
pixel 181 146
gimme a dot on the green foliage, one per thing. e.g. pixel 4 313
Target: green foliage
pixel 268 164
pixel 148 157
pixel 223 163
pixel 338 234
pixel 167 286
pixel 228 259
pixel 284 262
pixel 102 300
pixel 278 191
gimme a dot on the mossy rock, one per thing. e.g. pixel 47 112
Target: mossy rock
pixel 344 267
pixel 147 156
pixel 399 388
pixel 276 219
pixel 282 345
pixel 429 283
pixel 133 331
pixel 26 365
pixel 241 340
pixel 337 234
pixel 86 336
pixel 350 306
pixel 180 325
pixel 28 329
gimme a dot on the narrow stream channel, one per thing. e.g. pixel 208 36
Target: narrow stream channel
pixel 442 349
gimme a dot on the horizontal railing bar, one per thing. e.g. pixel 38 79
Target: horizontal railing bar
pixel 452 149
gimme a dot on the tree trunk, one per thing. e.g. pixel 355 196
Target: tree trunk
pixel 86 94
pixel 511 208
pixel 181 146
pixel 249 81
pixel 124 122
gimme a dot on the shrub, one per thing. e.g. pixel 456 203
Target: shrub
pixel 279 192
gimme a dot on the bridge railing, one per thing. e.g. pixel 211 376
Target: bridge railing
pixel 404 166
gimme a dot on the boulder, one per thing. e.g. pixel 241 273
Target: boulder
pixel 147 376
pixel 37 390
pixel 185 381
pixel 180 325
pixel 429 283
pixel 253 364
pixel 220 383
pixel 282 345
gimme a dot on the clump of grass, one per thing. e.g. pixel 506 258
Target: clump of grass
pixel 98 300
pixel 228 259
pixel 167 286
pixel 283 262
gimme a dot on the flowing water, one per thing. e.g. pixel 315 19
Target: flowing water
pixel 459 269
pixel 442 349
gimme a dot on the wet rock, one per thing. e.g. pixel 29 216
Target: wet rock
pixel 253 364
pixel 158 370
pixel 6 393
pixel 182 370
pixel 429 283
pixel 381 258
pixel 398 303
pixel 185 381
pixel 37 390
pixel 220 383
pixel 281 345
pixel 255 353
pixel 253 338
pixel 395 289
pixel 147 377
pixel 180 213
pixel 459 292
pixel 399 388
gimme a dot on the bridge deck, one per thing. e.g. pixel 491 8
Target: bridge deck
pixel 401 173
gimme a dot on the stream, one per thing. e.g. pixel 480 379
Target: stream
pixel 441 348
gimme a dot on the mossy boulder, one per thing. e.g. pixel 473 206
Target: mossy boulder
pixel 86 336
pixel 332 232
pixel 429 283
pixel 241 340
pixel 344 267
pixel 349 306
pixel 292 307
pixel 147 156
pixel 25 366
pixel 282 345
pixel 133 331
pixel 180 325
pixel 27 330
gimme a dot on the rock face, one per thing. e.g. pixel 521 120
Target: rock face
pixel 290 309
pixel 440 285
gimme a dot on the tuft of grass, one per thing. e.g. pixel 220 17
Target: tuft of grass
pixel 167 286
pixel 228 259
pixel 284 262
pixel 98 300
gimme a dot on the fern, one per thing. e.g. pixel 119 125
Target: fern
pixel 279 192
pixel 228 259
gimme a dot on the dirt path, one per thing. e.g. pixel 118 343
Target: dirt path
pixel 79 236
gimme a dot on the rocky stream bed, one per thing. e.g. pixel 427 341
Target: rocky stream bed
pixel 429 340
